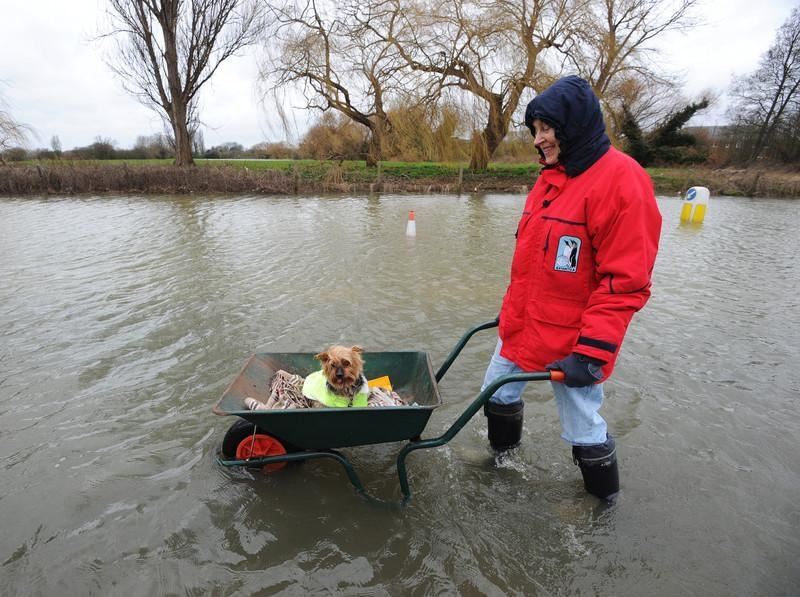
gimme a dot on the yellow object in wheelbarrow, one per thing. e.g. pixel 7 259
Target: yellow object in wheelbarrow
pixel 380 382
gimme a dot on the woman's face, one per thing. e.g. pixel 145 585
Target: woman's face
pixel 545 140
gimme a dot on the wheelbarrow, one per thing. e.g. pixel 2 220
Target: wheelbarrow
pixel 268 439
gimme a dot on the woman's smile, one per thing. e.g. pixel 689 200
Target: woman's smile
pixel 545 140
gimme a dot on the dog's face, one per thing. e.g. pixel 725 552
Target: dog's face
pixel 343 367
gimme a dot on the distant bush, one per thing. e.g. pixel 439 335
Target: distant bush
pixel 273 151
pixel 15 154
pixel 101 149
pixel 517 146
pixel 151 147
pixel 229 151
pixel 333 138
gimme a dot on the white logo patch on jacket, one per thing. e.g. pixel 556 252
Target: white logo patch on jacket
pixel 569 247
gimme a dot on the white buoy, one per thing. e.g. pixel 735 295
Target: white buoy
pixel 411 227
pixel 695 204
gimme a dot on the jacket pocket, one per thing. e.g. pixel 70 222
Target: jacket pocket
pixel 523 221
pixel 568 264
pixel 561 314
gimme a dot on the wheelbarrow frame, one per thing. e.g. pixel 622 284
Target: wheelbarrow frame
pixel 415 443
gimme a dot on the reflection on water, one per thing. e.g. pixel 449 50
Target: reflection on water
pixel 123 319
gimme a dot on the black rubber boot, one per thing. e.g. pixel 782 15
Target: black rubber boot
pixel 505 424
pixel 598 465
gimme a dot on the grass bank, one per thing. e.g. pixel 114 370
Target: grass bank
pixel 737 182
pixel 309 176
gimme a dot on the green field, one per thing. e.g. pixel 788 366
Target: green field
pixel 351 170
pixel 357 171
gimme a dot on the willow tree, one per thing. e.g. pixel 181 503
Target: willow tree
pixel 12 132
pixel 328 51
pixel 168 49
pixel 491 51
pixel 615 47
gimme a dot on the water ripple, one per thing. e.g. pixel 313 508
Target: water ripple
pixel 124 318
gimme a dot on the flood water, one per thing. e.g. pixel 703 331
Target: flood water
pixel 123 319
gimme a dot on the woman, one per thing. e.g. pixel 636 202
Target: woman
pixel 586 245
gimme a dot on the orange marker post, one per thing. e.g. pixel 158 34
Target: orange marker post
pixel 411 227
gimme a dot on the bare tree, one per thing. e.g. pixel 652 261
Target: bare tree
pixel 787 137
pixel 168 49
pixel 615 49
pixel 12 132
pixel 330 53
pixel 764 100
pixel 355 57
pixel 55 145
pixel 491 50
pixel 647 100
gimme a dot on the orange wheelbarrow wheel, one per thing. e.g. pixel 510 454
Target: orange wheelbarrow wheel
pixel 244 441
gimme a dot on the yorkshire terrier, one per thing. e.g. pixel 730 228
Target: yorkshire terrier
pixel 344 369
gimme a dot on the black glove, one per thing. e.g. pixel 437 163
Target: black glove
pixel 579 370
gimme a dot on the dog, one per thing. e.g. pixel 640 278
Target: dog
pixel 343 368
pixel 343 372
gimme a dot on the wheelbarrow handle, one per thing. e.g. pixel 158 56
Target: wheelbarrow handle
pixel 555 374
pixel 462 343
pixel 470 412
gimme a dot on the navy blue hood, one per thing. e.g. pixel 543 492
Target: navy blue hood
pixel 570 106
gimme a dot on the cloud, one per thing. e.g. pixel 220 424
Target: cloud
pixel 58 83
pixel 734 36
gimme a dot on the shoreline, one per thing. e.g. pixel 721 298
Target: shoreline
pixel 287 178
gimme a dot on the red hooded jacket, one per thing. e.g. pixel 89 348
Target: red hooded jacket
pixel 586 246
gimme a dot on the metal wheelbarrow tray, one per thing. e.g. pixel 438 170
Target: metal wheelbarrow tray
pixel 307 433
pixel 411 374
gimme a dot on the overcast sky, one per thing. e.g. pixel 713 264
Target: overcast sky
pixel 56 81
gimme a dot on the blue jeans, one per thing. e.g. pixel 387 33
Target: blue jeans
pixel 581 423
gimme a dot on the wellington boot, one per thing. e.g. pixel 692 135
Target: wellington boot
pixel 598 464
pixel 505 424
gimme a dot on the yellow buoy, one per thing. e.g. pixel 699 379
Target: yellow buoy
pixel 695 204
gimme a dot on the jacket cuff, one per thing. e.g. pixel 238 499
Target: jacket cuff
pixel 596 349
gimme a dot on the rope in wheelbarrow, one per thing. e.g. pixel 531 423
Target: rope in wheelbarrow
pixel 286 392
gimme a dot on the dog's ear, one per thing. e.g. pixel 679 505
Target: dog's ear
pixel 323 356
pixel 357 349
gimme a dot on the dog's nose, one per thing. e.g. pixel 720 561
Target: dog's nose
pixel 339 372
